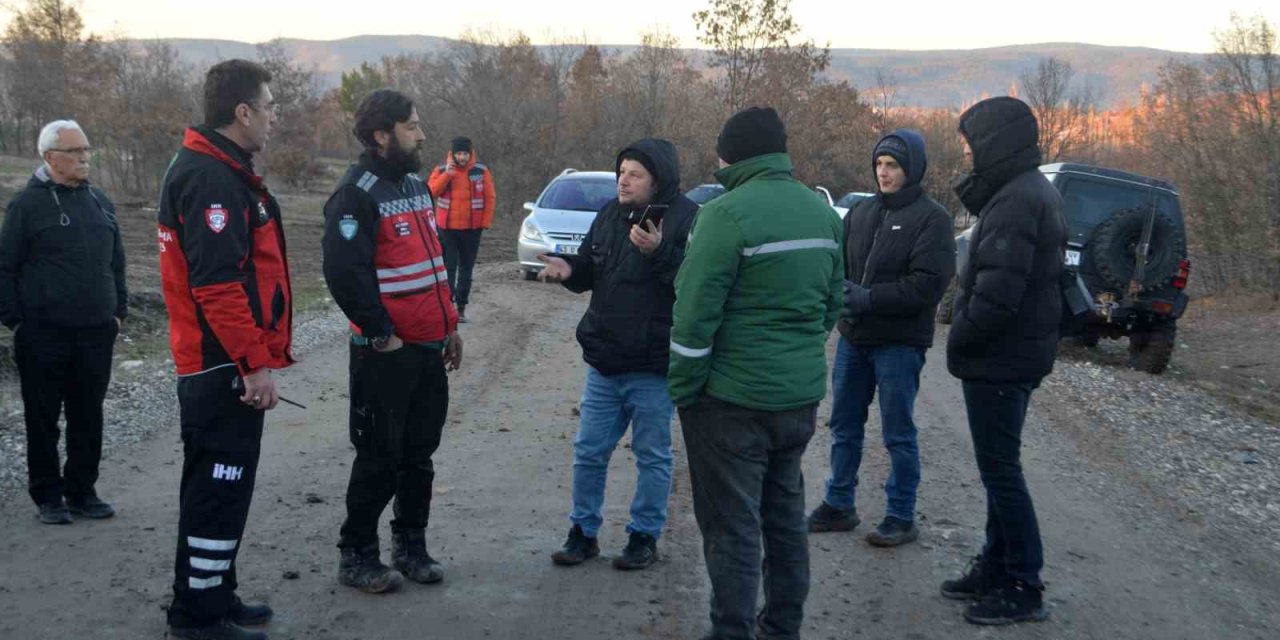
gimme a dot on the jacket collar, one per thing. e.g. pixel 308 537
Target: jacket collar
pixel 206 141
pixel 767 165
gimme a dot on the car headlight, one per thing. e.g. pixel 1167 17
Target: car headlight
pixel 530 231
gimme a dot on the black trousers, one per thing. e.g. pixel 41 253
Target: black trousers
pixel 221 440
pixel 744 470
pixel 399 401
pixel 461 246
pixel 71 367
pixel 997 412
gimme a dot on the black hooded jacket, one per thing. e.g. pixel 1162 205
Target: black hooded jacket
pixel 901 247
pixel 1006 315
pixel 627 327
pixel 61 257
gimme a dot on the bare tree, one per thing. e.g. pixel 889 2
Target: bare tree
pixel 1061 109
pixel 741 34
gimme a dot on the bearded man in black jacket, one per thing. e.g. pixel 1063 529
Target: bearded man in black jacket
pixel 1003 341
pixel 899 258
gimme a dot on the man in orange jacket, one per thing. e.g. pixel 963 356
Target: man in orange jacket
pixel 463 189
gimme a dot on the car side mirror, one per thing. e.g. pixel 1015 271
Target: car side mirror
pixel 528 206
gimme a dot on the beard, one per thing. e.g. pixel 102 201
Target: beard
pixel 408 160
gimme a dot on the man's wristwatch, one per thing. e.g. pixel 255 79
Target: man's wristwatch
pixel 380 342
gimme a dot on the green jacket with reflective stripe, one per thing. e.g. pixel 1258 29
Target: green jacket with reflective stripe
pixel 759 291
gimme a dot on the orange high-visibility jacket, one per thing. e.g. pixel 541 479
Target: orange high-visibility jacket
pixel 464 195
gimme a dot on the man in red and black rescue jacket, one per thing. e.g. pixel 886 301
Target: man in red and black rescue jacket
pixel 226 285
pixel 463 189
pixel 383 265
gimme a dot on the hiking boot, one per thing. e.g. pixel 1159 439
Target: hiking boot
pixel 90 506
pixel 978 579
pixel 409 556
pixel 55 512
pixel 577 548
pixel 641 552
pixel 249 615
pixel 829 518
pixel 221 630
pixel 1015 601
pixel 892 532
pixel 361 569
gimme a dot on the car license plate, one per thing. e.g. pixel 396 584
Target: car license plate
pixel 1073 258
pixel 567 249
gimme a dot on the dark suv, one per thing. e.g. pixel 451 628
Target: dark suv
pixel 1110 215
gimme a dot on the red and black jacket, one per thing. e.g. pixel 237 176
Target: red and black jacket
pixel 222 260
pixel 382 258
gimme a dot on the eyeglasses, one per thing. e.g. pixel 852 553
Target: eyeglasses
pixel 273 107
pixel 75 151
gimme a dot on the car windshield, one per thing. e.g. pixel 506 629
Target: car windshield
pixel 705 193
pixel 1087 203
pixel 579 194
pixel 849 199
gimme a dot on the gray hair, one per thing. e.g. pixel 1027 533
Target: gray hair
pixel 49 134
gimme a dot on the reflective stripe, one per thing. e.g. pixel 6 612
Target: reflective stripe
pixel 411 269
pixel 404 205
pixel 205 564
pixel 366 181
pixel 790 245
pixel 477 202
pixel 211 545
pixel 393 287
pixel 204 583
pixel 688 352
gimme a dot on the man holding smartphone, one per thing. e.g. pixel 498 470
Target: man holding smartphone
pixel 628 261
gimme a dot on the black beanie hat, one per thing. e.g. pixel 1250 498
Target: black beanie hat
pixel 459 144
pixel 752 132
pixel 895 148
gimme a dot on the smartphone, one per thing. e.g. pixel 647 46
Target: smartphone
pixel 653 213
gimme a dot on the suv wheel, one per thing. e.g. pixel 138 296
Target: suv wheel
pixel 1151 349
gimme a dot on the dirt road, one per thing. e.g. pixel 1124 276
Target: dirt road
pixel 1121 564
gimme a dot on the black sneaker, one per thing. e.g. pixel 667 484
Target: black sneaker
pixel 55 512
pixel 361 569
pixel 577 548
pixel 641 552
pixel 893 532
pixel 829 518
pixel 1016 601
pixel 90 506
pixel 978 580
pixel 221 630
pixel 249 615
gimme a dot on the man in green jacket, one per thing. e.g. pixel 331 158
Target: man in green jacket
pixel 759 291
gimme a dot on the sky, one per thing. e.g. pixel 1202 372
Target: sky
pixel 920 25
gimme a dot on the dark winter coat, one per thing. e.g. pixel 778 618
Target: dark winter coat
pixel 901 246
pixel 627 326
pixel 1009 305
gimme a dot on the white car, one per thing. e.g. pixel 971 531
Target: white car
pixel 561 216
pixel 846 201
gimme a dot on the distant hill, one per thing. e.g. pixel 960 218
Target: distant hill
pixel 923 78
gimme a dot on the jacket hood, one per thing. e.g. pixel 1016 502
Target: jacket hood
pixel 448 157
pixel 42 179
pixel 663 162
pixel 917 159
pixel 1004 137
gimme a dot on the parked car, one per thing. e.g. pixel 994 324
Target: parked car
pixel 705 193
pixel 846 201
pixel 561 216
pixel 1129 293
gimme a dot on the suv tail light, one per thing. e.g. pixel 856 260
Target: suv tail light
pixel 1184 271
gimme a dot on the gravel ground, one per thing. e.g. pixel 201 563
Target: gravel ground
pixel 1214 462
pixel 140 404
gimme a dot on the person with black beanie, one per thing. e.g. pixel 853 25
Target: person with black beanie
pixel 1003 341
pixel 899 259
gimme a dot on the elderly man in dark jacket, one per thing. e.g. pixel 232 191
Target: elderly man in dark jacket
pixel 628 260
pixel 1003 342
pixel 899 258
pixel 62 291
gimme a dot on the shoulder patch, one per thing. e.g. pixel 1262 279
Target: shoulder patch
pixel 367 181
pixel 348 226
pixel 216 217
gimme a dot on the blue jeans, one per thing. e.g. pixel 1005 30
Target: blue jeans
pixel 858 372
pixel 609 404
pixel 997 412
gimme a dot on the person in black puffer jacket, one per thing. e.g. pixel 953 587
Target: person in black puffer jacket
pixel 62 291
pixel 1003 341
pixel 899 258
pixel 630 267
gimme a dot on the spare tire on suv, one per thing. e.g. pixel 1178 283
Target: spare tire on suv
pixel 1114 248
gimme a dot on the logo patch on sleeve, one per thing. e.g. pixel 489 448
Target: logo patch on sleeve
pixel 348 226
pixel 216 217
